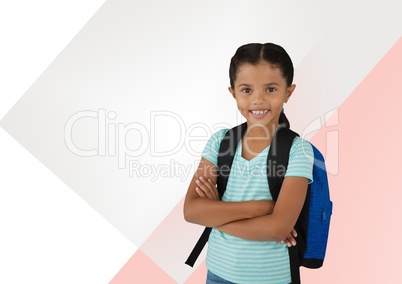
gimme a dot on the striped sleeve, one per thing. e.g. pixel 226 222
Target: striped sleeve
pixel 211 149
pixel 301 159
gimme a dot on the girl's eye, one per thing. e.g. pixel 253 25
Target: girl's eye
pixel 246 90
pixel 271 89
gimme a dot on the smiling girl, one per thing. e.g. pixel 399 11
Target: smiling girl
pixel 250 233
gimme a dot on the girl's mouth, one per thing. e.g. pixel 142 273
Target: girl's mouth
pixel 259 113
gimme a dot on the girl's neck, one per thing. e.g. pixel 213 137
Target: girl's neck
pixel 261 131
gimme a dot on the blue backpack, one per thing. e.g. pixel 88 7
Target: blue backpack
pixel 312 226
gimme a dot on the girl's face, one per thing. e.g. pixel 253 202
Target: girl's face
pixel 260 92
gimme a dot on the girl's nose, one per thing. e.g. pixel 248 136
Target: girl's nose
pixel 258 98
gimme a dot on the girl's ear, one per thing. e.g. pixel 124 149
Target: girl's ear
pixel 232 91
pixel 289 92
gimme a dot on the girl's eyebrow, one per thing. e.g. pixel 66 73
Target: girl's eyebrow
pixel 272 84
pixel 268 84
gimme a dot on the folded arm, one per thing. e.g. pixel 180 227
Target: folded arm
pixel 275 226
pixel 212 212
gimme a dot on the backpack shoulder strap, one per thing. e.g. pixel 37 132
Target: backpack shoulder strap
pixel 278 159
pixel 226 154
pixel 227 150
pixel 198 247
pixel 277 163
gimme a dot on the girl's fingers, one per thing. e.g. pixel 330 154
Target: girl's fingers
pixel 287 242
pixel 291 240
pixel 206 183
pixel 207 187
pixel 214 189
pixel 200 192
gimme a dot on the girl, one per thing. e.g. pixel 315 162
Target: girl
pixel 250 235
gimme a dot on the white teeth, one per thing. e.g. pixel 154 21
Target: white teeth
pixel 259 111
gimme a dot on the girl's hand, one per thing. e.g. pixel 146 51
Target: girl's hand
pixel 206 188
pixel 290 240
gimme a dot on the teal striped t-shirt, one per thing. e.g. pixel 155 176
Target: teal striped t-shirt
pixel 244 261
